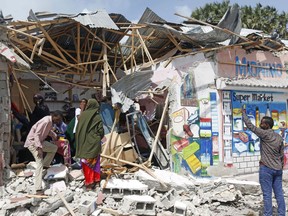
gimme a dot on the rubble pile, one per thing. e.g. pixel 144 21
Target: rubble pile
pixel 129 194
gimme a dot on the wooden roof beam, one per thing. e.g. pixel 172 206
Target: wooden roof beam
pixel 52 42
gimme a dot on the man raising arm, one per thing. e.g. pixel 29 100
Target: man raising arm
pixel 271 163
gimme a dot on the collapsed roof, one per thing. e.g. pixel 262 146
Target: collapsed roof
pixel 89 45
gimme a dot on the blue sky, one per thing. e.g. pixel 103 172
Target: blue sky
pixel 131 9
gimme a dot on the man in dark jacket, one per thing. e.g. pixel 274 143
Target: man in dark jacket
pixel 271 163
pixel 41 109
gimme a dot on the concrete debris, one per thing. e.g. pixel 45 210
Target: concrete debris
pixel 58 171
pixel 21 211
pixel 135 194
pixel 172 180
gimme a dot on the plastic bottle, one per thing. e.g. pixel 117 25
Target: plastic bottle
pixel 244 125
pixel 268 113
pixel 257 117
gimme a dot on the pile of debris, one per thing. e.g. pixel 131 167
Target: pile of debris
pixel 128 193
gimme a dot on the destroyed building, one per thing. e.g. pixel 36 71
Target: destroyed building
pixel 190 82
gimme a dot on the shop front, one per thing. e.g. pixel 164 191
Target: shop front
pixel 256 82
pixel 206 104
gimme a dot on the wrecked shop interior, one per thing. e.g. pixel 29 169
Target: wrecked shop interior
pixel 63 88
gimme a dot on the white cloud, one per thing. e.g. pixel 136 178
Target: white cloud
pixel 19 9
pixel 184 11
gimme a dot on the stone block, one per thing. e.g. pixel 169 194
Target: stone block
pixel 138 205
pixel 180 208
pixel 118 188
pixel 87 207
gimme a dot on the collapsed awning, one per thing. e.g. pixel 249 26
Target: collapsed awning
pixel 127 88
pixel 98 19
pixel 252 83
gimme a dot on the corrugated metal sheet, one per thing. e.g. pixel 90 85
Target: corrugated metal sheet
pixel 196 28
pixel 230 21
pixel 244 32
pixel 160 41
pixel 98 19
pixel 256 82
pixel 127 88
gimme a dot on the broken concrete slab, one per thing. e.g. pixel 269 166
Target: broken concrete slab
pixel 246 187
pixel 17 201
pixel 51 204
pixel 172 180
pixel 21 211
pixel 58 171
pixel 57 186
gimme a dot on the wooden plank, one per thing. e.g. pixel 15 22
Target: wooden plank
pixel 20 32
pixel 145 48
pixel 37 196
pixel 66 204
pixel 109 210
pixel 94 35
pixel 159 128
pixel 49 55
pixel 141 166
pixel 78 45
pixel 132 52
pixel 105 71
pixel 130 56
pixel 123 62
pixel 52 42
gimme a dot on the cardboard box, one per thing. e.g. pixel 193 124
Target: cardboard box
pixel 120 143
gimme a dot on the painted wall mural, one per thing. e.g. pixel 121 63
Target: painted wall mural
pixel 194 137
pixel 257 105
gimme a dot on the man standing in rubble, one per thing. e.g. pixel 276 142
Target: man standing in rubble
pixel 36 144
pixel 271 163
